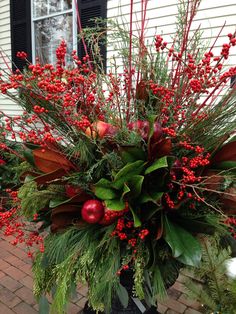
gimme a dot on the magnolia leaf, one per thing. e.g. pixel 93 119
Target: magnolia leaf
pixel 123 295
pixel 115 204
pixel 63 216
pixel 131 154
pixel 137 221
pixel 225 165
pixel 159 163
pixel 163 148
pixel 135 185
pixel 127 172
pixel 31 146
pixel 104 191
pixel 184 246
pixel 226 153
pixel 43 305
pixel 151 120
pixel 50 176
pixel 48 160
pixel 151 197
pixel 56 202
pixel 126 190
pixel 29 157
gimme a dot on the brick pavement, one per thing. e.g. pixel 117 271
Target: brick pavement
pixel 16 296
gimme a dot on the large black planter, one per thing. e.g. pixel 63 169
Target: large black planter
pixel 134 305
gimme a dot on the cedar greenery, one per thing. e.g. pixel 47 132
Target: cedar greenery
pixel 216 292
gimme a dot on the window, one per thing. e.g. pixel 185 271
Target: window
pixel 37 26
pixel 52 21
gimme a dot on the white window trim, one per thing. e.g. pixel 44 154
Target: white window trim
pixel 35 19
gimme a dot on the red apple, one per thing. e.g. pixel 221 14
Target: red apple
pixel 142 127
pixel 101 129
pixel 92 211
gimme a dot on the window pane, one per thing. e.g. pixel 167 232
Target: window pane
pixel 45 7
pixel 48 34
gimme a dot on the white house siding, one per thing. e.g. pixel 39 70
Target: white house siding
pixel 161 18
pixel 5 45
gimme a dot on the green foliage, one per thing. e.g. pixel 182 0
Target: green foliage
pixel 216 291
pixel 32 199
pixel 185 247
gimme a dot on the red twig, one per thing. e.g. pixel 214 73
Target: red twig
pixel 130 61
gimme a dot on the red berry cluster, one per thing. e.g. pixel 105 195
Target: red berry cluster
pixel 159 44
pixel 112 215
pixel 21 55
pixel 125 230
pixel 231 223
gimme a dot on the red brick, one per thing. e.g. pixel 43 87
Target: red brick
pixel 26 295
pixel 4 265
pixel 192 311
pixel 190 303
pixel 182 278
pixel 20 253
pixel 4 309
pixel 15 273
pixel 82 302
pixel 179 286
pixel 36 307
pixel 24 308
pixel 5 245
pixel 173 293
pixel 27 268
pixel 8 298
pixel 161 308
pixel 83 291
pixel 28 282
pixel 2 274
pixel 4 254
pixel 15 261
pixel 73 309
pixel 174 305
pixel 10 283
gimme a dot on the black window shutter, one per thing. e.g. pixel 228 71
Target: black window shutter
pixel 90 9
pixel 233 81
pixel 20 31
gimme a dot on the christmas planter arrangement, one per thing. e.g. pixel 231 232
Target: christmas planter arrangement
pixel 127 172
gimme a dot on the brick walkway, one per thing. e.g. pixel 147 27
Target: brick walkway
pixel 16 283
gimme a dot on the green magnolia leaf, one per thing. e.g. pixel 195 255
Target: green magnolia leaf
pixel 126 190
pixel 135 185
pixel 31 146
pixel 43 305
pixel 137 222
pixel 159 163
pixel 29 157
pixel 104 191
pixel 225 165
pixel 151 120
pixel 185 247
pixel 115 204
pixel 131 154
pixel 123 295
pixel 56 202
pixel 151 197
pixel 127 172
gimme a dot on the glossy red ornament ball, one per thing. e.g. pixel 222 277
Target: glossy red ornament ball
pixel 92 211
